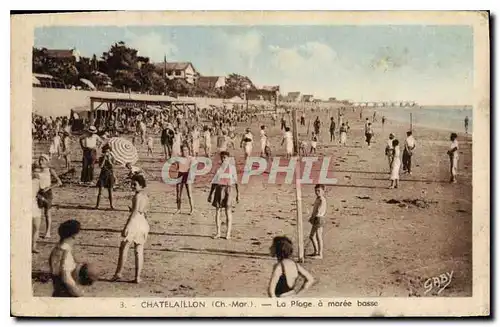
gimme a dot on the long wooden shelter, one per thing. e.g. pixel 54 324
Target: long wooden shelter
pixel 116 102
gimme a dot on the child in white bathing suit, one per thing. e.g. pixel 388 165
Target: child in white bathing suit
pixel 314 143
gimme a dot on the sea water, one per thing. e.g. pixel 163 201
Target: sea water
pixel 444 118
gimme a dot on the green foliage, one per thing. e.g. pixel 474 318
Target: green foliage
pixel 122 68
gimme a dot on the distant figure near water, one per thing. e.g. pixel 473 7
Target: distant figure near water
pixel 466 123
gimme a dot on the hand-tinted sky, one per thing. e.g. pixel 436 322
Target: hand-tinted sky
pixel 427 64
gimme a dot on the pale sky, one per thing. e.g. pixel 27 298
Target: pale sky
pixel 427 64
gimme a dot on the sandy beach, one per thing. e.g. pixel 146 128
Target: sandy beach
pixel 372 248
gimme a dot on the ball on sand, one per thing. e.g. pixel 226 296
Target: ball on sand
pixel 88 274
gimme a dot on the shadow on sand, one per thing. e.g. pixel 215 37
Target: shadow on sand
pixel 217 252
pixel 110 230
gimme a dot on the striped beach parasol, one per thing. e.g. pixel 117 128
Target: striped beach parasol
pixel 123 150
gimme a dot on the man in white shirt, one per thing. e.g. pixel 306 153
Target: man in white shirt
pixel 89 145
pixel 408 152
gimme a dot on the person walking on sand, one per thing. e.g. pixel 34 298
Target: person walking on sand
pixel 283 122
pixel 368 134
pixel 317 125
pixel 150 144
pixel 195 141
pixel 317 221
pixel 343 134
pixel 222 189
pixel 286 272
pixel 136 230
pixel 66 149
pixel 184 166
pixel 107 176
pixel 247 143
pixel 314 143
pixel 46 174
pixel 383 121
pixel 263 141
pixel 332 129
pixel 176 147
pixel 89 144
pixel 288 141
pixel 466 125
pixel 207 139
pixel 36 213
pixel 396 164
pixel 389 153
pixel 453 155
pixel 409 146
pixel 167 140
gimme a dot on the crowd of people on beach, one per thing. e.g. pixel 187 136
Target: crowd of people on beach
pixel 184 134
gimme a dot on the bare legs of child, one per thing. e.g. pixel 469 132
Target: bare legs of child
pixel 316 237
pixel 34 234
pixel 110 195
pixel 218 223
pixel 48 222
pixel 178 188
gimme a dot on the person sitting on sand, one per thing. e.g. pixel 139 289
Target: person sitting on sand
pixel 317 221
pixel 136 230
pixel 396 164
pixel 62 263
pixel 453 155
pixel 222 189
pixel 184 166
pixel 107 175
pixel 286 272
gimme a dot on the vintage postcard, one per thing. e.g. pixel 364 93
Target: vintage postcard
pixel 255 164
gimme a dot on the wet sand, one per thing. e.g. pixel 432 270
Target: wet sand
pixel 372 248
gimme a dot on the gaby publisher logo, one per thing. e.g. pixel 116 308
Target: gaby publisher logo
pixel 278 170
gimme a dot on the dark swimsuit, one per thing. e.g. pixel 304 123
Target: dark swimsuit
pixel 282 286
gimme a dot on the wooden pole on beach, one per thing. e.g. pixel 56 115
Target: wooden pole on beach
pixel 411 121
pixel 298 191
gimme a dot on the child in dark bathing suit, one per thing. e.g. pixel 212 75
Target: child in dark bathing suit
pixel 286 271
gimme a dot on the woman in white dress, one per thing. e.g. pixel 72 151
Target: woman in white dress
pixel 343 134
pixel 195 135
pixel 136 230
pixel 396 164
pixel 208 141
pixel 247 143
pixel 176 148
pixel 288 140
pixel 263 141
